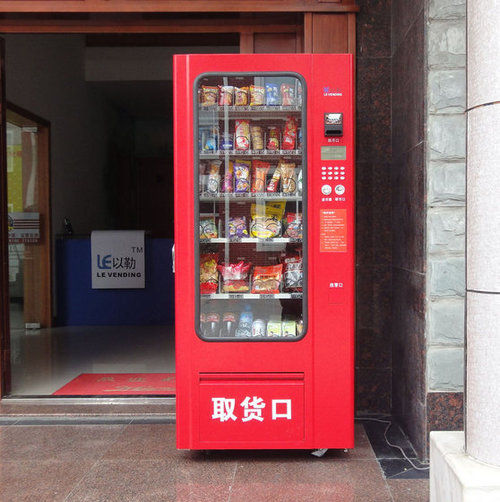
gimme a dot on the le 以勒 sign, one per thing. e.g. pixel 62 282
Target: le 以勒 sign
pixel 118 259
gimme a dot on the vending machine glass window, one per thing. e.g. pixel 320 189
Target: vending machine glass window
pixel 250 207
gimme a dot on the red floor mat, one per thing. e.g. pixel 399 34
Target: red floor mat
pixel 119 384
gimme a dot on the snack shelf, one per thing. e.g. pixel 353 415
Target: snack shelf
pixel 251 296
pixel 250 110
pixel 250 196
pixel 268 154
pixel 249 240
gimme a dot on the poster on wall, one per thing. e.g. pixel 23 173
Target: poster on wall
pixel 118 259
pixel 24 228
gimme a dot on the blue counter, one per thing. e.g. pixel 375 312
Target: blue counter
pixel 80 305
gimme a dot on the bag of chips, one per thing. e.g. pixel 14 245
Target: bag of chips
pixel 266 220
pixel 257 95
pixel 289 134
pixel 235 277
pixel 273 138
pixel 226 93
pixel 272 95
pixel 208 228
pixel 242 135
pixel 293 226
pixel 274 183
pixel 259 173
pixel 213 181
pixel 257 137
pixel 287 95
pixel 238 227
pixel 267 280
pixel 209 95
pixel 242 176
pixel 209 278
pixel 293 273
pixel 241 96
pixel 210 136
pixel 228 182
pixel 288 177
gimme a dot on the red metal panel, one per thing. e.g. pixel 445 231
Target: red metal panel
pixel 325 356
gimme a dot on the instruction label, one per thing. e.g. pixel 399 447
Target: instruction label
pixel 333 231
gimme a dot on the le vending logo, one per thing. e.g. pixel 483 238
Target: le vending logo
pixel 331 91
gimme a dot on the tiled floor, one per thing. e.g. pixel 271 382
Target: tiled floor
pixel 140 463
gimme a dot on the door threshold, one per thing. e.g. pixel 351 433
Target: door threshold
pixel 92 401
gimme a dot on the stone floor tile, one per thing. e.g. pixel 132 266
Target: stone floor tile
pixel 64 443
pixel 309 480
pixel 40 481
pixel 155 480
pixel 409 490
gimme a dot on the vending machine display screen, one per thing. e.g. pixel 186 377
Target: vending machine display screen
pixel 333 152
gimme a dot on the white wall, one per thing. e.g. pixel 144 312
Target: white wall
pixel 45 75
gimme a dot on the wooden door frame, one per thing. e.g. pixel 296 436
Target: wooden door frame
pixel 147 16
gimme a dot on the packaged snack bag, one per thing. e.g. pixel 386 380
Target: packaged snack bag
pixel 272 95
pixel 238 227
pixel 259 173
pixel 274 183
pixel 242 135
pixel 203 177
pixel 209 95
pixel 257 137
pixel 267 280
pixel 213 182
pixel 209 278
pixel 242 176
pixel 235 277
pixel 287 95
pixel 299 182
pixel 226 93
pixel 208 228
pixel 274 328
pixel 241 96
pixel 290 134
pixel 273 138
pixel 227 184
pixel 293 226
pixel 257 95
pixel 210 138
pixel 288 177
pixel 293 273
pixel 266 220
pixel 226 141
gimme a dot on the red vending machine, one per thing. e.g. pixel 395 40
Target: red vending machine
pixel 264 240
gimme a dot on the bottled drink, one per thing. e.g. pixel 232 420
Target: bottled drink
pixel 228 327
pixel 245 325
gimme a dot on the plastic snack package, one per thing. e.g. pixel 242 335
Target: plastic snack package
pixel 290 134
pixel 213 180
pixel 273 138
pixel 293 273
pixel 266 220
pixel 267 280
pixel 238 227
pixel 203 177
pixel 288 328
pixel 275 180
pixel 257 137
pixel 226 142
pixel 299 182
pixel 235 277
pixel 210 137
pixel 244 329
pixel 288 177
pixel 226 93
pixel 242 135
pixel 209 95
pixel 208 228
pixel 257 95
pixel 242 176
pixel 272 95
pixel 287 95
pixel 274 329
pixel 259 173
pixel 209 278
pixel 241 96
pixel 228 182
pixel 293 226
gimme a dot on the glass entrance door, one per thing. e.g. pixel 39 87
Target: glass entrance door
pixel 250 207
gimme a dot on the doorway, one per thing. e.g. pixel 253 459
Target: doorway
pixel 109 103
